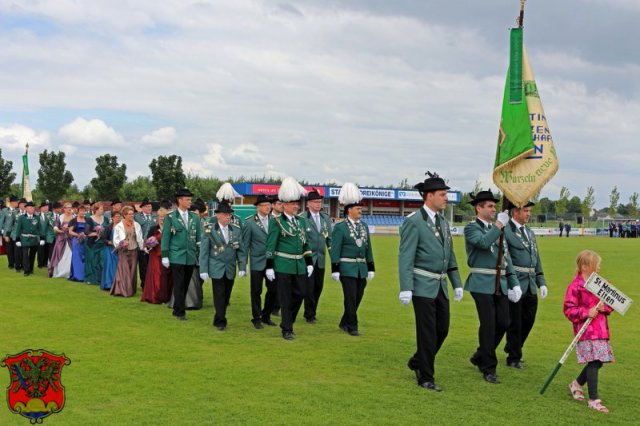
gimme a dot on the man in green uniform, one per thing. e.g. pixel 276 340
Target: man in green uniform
pixel 425 261
pixel 45 224
pixel 181 234
pixel 351 256
pixel 487 260
pixel 13 227
pixel 146 219
pixel 254 239
pixel 525 256
pixel 28 237
pixel 319 236
pixel 8 219
pixel 116 206
pixel 289 259
pixel 221 252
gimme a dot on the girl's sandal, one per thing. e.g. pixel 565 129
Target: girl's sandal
pixel 576 391
pixel 596 404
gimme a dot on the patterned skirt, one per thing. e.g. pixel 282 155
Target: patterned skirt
pixel 594 350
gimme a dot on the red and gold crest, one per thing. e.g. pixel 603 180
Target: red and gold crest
pixel 35 390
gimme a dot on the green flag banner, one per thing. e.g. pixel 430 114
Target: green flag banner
pixel 525 158
pixel 26 185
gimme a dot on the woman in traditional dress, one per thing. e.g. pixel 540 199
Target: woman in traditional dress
pixel 60 264
pixel 79 238
pixel 95 244
pixel 157 286
pixel 109 254
pixel 127 239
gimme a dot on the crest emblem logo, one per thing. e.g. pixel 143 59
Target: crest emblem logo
pixel 35 390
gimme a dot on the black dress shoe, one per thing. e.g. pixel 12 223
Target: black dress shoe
pixel 430 386
pixel 181 317
pixel 354 333
pixel 269 322
pixel 221 327
pixel 419 377
pixel 343 328
pixel 474 361
pixel 491 378
pixel 515 364
pixel 287 335
pixel 311 321
pixel 258 325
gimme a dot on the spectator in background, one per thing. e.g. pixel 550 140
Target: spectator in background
pixel 567 229
pixel 561 227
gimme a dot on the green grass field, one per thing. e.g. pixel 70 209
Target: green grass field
pixel 133 363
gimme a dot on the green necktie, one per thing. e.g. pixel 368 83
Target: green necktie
pixel 523 232
pixel 439 228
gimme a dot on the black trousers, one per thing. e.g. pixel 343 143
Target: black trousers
pixel 222 288
pixel 44 254
pixel 143 261
pixel 11 252
pixel 17 257
pixel 353 290
pixel 493 313
pixel 258 313
pixel 290 293
pixel 523 316
pixel 315 283
pixel 181 275
pixel 432 328
pixel 28 258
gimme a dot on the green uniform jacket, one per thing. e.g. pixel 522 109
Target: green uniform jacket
pixel 145 224
pixel 50 234
pixel 482 253
pixel 3 212
pixel 254 239
pixel 525 258
pixel 288 251
pixel 218 258
pixel 319 241
pixel 11 226
pixel 28 231
pixel 426 251
pixel 347 256
pixel 178 243
pixel 45 225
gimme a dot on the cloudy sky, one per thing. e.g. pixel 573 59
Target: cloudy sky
pixel 371 91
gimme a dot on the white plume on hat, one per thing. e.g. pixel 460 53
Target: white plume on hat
pixel 226 192
pixel 290 190
pixel 349 194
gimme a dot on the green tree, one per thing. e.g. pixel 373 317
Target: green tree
pixel 6 176
pixel 167 175
pixel 203 187
pixel 54 179
pixel 73 193
pixel 588 202
pixel 90 193
pixel 110 176
pixel 547 206
pixel 614 199
pixel 574 205
pixel 563 202
pixel 138 189
pixel 633 205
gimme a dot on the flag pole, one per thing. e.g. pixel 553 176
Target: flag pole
pixel 521 16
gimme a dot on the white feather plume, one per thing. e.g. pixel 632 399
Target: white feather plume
pixel 290 190
pixel 226 192
pixel 349 194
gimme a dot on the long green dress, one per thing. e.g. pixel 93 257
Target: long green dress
pixel 93 251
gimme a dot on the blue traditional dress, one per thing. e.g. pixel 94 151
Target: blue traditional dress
pixel 109 259
pixel 77 251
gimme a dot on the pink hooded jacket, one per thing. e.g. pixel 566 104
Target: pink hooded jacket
pixel 577 303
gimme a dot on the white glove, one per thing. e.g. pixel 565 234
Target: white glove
pixel 271 274
pixel 370 275
pixel 309 270
pixel 517 294
pixel 510 295
pixel 204 276
pixel 405 297
pixel 18 244
pixel 503 217
pixel 459 294
pixel 543 291
pixel 242 274
pixel 41 242
pixel 335 276
pixel 165 262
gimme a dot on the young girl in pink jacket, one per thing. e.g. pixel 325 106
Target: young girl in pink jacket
pixel 593 348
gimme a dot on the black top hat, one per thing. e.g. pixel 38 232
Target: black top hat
pixel 75 204
pixel 224 207
pixel 116 201
pixel 30 204
pixel 184 192
pixel 165 204
pixel 314 195
pixel 262 199
pixel 13 199
pixel 432 183
pixel 483 196
pixel 198 205
pixel 22 201
pixel 155 205
pixel 45 203
pixel 510 206
pixel 145 202
pixel 85 202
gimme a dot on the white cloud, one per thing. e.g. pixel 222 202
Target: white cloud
pixel 214 157
pixel 163 136
pixel 15 138
pixel 68 149
pixel 246 154
pixel 93 132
